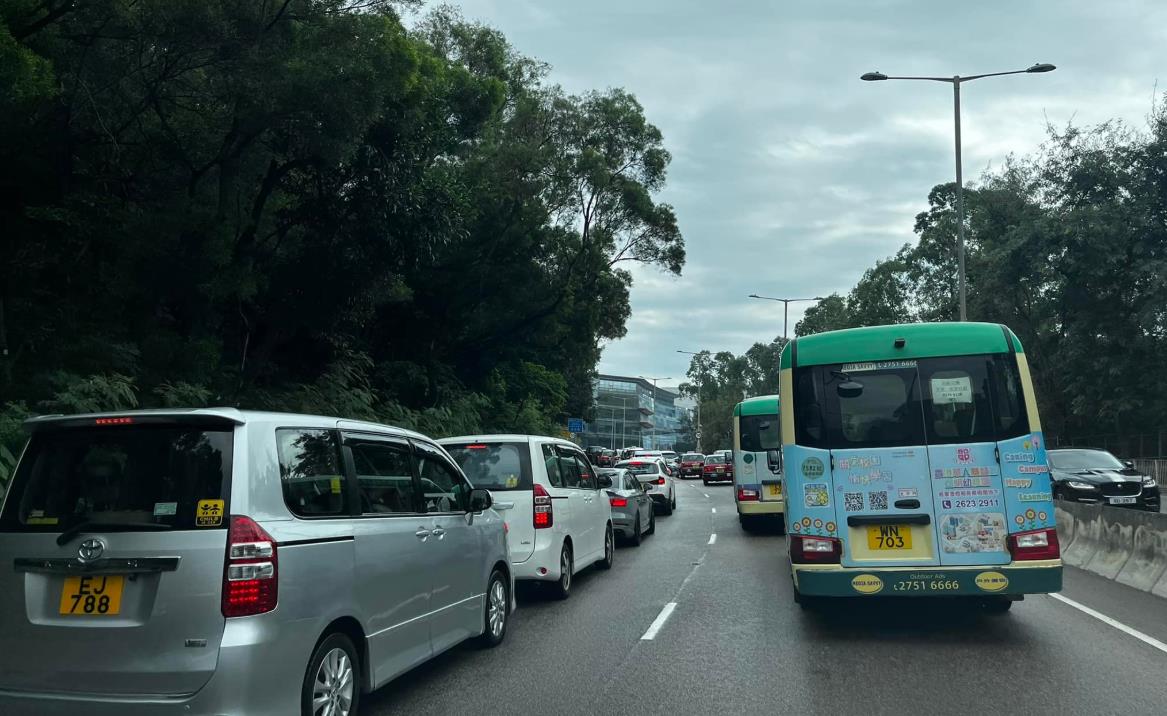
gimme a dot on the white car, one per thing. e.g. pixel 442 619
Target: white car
pixel 554 504
pixel 653 472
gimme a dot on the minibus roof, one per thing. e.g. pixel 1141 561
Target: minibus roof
pixel 920 340
pixel 758 405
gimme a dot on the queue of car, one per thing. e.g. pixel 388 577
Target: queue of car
pixel 203 561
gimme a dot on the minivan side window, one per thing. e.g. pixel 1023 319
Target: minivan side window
pixel 384 472
pixel 443 487
pixel 587 475
pixel 310 472
pixel 551 460
pixel 569 469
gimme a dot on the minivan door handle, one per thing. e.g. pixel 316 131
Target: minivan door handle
pixel 422 533
pixel 438 532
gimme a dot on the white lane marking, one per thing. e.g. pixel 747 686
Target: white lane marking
pixel 1113 622
pixel 712 539
pixel 714 510
pixel 659 621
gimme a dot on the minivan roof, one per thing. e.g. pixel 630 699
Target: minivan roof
pixel 225 415
pixel 505 438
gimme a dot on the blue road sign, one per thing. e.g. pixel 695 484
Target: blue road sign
pixel 575 425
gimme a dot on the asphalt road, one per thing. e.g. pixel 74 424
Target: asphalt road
pixel 736 643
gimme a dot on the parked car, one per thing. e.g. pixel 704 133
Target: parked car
pixel 692 463
pixel 1096 476
pixel 653 472
pixel 632 512
pixel 717 468
pixel 559 519
pixel 221 561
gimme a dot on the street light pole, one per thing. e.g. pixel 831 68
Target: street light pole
pixel 691 353
pixel 956 80
pixel 785 308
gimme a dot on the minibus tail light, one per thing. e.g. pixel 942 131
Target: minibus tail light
pixel 1036 544
pixel 746 495
pixel 815 550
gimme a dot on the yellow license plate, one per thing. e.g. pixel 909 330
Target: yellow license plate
pixel 92 596
pixel 889 537
pixel 775 490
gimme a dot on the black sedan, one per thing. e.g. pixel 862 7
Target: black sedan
pixel 1096 476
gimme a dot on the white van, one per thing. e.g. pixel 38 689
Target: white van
pixel 558 515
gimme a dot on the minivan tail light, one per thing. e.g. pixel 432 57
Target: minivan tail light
pixel 660 481
pixel 618 501
pixel 251 575
pixel 544 513
pixel 815 550
pixel 1037 544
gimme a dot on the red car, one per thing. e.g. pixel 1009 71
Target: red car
pixel 691 464
pixel 717 468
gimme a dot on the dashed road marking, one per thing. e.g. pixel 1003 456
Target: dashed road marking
pixel 659 622
pixel 1113 622
pixel 712 539
pixel 714 510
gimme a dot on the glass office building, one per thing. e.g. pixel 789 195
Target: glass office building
pixel 627 413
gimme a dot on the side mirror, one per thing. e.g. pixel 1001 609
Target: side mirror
pixel 603 482
pixel 480 500
pixel 774 460
pixel 1130 464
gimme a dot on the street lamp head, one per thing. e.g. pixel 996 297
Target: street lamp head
pixel 1042 67
pixel 872 76
pixel 753 295
pixel 818 298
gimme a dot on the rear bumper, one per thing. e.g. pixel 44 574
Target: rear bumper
pixel 545 556
pixel 261 666
pixel 775 507
pixel 717 476
pixel 1004 580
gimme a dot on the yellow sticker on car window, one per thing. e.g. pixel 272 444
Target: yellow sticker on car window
pixel 512 481
pixel 209 513
pixel 335 483
pixel 41 521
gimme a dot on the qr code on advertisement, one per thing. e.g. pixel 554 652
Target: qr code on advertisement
pixel 879 500
pixel 853 501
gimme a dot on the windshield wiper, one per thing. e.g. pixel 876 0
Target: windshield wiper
pixel 77 529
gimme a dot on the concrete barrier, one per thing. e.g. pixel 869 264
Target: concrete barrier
pixel 1116 542
pixel 1125 545
pixel 1087 532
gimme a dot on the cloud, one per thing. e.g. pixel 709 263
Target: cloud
pixel 791 176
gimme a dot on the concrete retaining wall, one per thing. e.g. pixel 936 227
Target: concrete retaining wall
pixel 1125 545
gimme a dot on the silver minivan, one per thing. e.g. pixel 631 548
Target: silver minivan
pixel 228 562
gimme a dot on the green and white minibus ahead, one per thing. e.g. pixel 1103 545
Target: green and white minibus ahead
pixel 757 463
pixel 915 465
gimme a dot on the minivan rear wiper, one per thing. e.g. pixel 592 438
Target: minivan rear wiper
pixel 77 529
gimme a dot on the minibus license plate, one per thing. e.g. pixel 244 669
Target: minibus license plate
pixel 889 537
pixel 775 490
pixel 92 596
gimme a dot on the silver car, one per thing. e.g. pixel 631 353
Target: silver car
pixel 219 561
pixel 632 512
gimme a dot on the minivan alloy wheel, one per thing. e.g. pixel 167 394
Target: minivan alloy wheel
pixel 497 613
pixel 332 693
pixel 565 569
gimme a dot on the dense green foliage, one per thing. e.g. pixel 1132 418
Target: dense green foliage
pixel 1068 248
pixel 719 381
pixel 306 205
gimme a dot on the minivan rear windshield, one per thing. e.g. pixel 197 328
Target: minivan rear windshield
pixel 640 468
pixel 172 476
pixel 494 466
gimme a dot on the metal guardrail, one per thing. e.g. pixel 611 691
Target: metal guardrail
pixel 1154 466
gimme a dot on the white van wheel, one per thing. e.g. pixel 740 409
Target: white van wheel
pixel 561 589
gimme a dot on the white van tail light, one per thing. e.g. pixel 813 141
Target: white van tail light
pixel 544 514
pixel 251 577
pixel 1038 544
pixel 746 495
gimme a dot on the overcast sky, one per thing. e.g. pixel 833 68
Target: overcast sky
pixel 790 176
